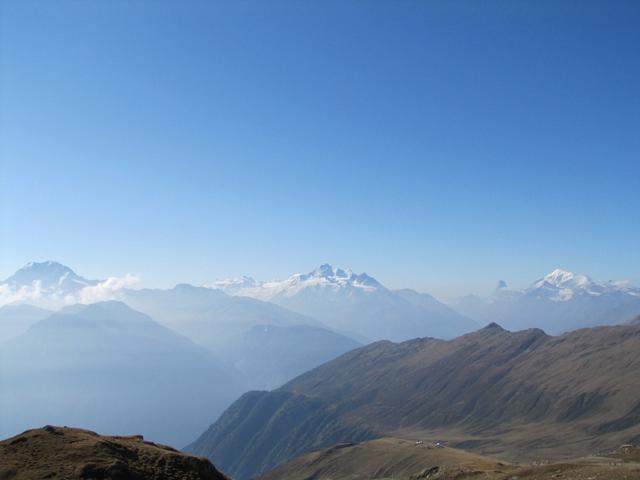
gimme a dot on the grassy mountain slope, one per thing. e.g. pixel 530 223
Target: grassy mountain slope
pixel 491 391
pixel 407 460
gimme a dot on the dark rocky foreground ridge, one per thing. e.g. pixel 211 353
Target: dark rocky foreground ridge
pixel 520 395
pixel 71 453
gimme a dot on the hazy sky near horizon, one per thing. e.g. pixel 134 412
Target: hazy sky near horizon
pixel 435 145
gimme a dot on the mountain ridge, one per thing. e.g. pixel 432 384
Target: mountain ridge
pixel 490 391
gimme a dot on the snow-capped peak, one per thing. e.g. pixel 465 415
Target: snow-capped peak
pixel 48 275
pixel 327 271
pixel 563 279
pixel 50 285
pixel 562 285
pixel 337 276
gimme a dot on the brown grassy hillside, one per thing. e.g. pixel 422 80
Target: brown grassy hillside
pixel 393 458
pixel 71 453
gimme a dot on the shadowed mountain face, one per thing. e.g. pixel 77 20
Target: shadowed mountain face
pixel 71 453
pixel 513 394
pixel 108 367
pixel 263 429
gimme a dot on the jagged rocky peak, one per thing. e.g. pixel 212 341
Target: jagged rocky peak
pixel 494 327
pixel 327 271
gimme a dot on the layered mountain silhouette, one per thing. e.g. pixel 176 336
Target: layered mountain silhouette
pixel 268 344
pixel 72 453
pixel 110 368
pixel 356 304
pixel 560 301
pixel 516 395
pixel 210 317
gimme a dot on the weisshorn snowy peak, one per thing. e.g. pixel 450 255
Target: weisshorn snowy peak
pixel 558 302
pixel 355 304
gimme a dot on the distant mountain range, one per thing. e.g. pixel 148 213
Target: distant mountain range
pixel 210 317
pixel 233 343
pixel 222 323
pixel 560 301
pixel 265 342
pixel 521 395
pixel 355 304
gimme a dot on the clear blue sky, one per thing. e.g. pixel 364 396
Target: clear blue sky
pixel 433 144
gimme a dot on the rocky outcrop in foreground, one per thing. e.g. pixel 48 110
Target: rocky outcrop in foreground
pixel 72 453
